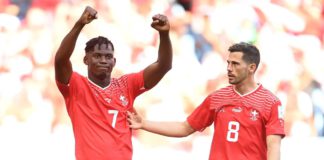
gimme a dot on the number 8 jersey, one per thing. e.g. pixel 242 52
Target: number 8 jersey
pixel 241 122
pixel 98 115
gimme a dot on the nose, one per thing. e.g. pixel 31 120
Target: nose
pixel 103 59
pixel 229 67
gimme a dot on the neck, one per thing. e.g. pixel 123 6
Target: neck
pixel 246 87
pixel 103 81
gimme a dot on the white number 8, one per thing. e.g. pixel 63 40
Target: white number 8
pixel 232 133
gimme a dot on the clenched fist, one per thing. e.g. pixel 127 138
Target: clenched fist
pixel 88 15
pixel 160 23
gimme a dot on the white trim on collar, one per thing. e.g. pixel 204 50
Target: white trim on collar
pixel 98 85
pixel 259 85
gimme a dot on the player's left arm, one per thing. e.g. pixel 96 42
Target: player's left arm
pixel 155 72
pixel 275 131
pixel 273 147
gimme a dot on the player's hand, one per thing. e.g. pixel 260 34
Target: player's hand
pixel 135 120
pixel 88 15
pixel 160 23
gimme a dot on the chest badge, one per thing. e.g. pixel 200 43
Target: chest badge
pixel 254 115
pixel 123 100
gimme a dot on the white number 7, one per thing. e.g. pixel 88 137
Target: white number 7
pixel 115 113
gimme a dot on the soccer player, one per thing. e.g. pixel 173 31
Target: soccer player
pixel 248 119
pixel 97 104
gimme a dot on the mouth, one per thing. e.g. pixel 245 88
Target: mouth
pixel 230 76
pixel 103 68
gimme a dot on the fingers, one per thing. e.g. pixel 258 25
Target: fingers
pixel 159 19
pixel 132 120
pixel 131 117
pixel 92 12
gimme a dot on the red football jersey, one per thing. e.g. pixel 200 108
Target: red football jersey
pixel 99 116
pixel 241 122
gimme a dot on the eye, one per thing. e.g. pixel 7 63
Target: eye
pixel 96 56
pixel 235 63
pixel 109 56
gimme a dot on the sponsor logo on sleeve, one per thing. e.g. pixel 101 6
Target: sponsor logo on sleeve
pixel 280 112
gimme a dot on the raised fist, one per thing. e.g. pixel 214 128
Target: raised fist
pixel 88 15
pixel 160 23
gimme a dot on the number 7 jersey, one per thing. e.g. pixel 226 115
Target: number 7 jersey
pixel 241 122
pixel 98 115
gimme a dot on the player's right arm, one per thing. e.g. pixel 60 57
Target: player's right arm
pixel 62 63
pixel 170 129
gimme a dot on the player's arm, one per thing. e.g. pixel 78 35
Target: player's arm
pixel 62 63
pixel 170 129
pixel 155 72
pixel 273 145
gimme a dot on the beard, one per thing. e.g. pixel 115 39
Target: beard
pixel 236 80
pixel 102 75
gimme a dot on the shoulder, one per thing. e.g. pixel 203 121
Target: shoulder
pixel 222 91
pixel 268 96
pixel 77 75
pixel 130 75
pixel 221 97
pixel 121 79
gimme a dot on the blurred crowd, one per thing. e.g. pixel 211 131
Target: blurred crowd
pixel 289 34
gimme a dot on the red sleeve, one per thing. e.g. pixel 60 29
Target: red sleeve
pixel 202 116
pixel 136 83
pixel 275 123
pixel 68 90
pixel 63 88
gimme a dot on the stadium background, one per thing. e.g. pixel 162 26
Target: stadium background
pixel 289 33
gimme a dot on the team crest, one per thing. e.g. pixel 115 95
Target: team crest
pixel 254 115
pixel 123 100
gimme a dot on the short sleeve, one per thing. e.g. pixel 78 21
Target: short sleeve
pixel 275 123
pixel 63 88
pixel 202 116
pixel 136 83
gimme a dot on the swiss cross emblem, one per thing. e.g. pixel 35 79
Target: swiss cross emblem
pixel 123 100
pixel 254 115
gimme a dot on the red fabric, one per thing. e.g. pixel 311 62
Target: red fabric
pixel 241 122
pixel 99 115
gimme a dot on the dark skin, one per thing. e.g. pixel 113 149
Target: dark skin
pixel 101 60
pixel 100 63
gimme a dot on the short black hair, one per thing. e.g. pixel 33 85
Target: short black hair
pixel 97 40
pixel 250 52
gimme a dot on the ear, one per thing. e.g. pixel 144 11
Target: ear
pixel 252 67
pixel 114 62
pixel 85 60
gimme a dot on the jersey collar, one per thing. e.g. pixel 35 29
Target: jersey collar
pixel 98 85
pixel 246 94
